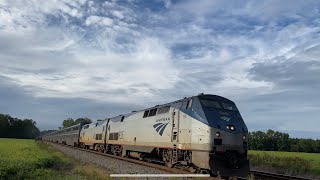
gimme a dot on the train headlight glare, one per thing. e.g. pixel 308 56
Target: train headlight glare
pixel 232 128
pixel 244 137
pixel 218 134
pixel 228 127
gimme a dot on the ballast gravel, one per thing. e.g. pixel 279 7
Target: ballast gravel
pixel 111 165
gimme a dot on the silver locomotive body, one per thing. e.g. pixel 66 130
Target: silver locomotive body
pixel 202 133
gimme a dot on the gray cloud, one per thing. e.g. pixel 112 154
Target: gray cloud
pixel 299 73
pixel 262 55
pixel 50 112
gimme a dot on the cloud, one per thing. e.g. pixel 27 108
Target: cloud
pixel 117 14
pixel 50 112
pixel 263 55
pixel 295 75
pixel 104 21
pixel 167 3
pixel 82 73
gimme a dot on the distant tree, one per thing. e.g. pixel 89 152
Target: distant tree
pixel 68 122
pixel 295 145
pixel 46 132
pixel 278 141
pixel 308 145
pixel 270 143
pixel 257 140
pixel 318 145
pixel 16 128
pixel 84 120
pixel 4 125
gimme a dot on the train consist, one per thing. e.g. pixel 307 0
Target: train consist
pixel 204 133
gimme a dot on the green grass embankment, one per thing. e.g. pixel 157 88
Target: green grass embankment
pixel 30 159
pixel 292 163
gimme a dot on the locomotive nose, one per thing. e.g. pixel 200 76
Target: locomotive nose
pixel 232 160
pixel 229 164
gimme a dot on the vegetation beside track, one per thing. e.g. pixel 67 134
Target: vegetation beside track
pixel 290 163
pixel 30 159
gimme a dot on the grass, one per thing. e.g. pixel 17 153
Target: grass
pixel 29 159
pixel 293 163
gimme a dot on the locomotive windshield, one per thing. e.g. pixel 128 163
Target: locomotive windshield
pixel 212 104
pixel 230 107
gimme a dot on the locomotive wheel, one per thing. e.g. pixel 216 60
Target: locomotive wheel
pixel 169 164
pixel 167 157
pixel 117 150
pixel 120 151
pixel 192 169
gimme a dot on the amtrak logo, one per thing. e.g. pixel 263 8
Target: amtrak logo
pixel 160 127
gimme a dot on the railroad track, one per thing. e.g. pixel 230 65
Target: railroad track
pixel 135 161
pixel 257 174
pixel 267 175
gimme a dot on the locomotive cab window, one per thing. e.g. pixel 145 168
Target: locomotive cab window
pixel 163 110
pixel 146 114
pixel 153 112
pixel 210 103
pixel 189 105
pixel 184 105
pixel 86 126
pixel 230 107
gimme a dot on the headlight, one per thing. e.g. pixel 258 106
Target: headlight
pixel 232 128
pixel 244 137
pixel 218 134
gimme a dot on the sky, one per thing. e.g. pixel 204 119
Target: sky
pixel 80 58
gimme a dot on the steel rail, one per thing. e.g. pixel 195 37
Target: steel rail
pixel 268 175
pixel 257 174
pixel 135 161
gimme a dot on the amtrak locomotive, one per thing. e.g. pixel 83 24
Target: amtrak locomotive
pixel 204 133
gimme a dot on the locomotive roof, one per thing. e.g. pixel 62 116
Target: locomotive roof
pixel 63 129
pixel 116 118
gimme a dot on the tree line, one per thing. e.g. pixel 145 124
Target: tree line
pixel 70 122
pixel 270 140
pixel 11 127
pixel 278 141
pixel 67 123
